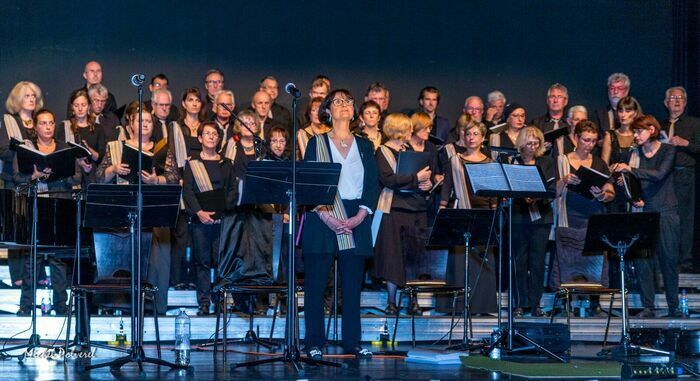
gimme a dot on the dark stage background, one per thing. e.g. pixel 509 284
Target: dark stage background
pixel 461 47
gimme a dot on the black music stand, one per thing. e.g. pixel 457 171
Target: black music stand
pixel 509 181
pixel 292 183
pixel 115 206
pixel 620 231
pixel 455 227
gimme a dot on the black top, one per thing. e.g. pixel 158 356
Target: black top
pixel 618 154
pixel 64 185
pixel 7 156
pixel 282 115
pixel 546 123
pixel 687 127
pixel 578 206
pixel 110 105
pixel 521 210
pixel 221 175
pixel 95 138
pixel 109 122
pixel 654 174
pixel 447 186
pixel 194 147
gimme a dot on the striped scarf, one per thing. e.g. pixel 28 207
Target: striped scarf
pixel 337 210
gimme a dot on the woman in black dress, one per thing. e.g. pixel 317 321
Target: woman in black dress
pixel 574 209
pixel 515 118
pixel 207 171
pixel 191 109
pixel 45 124
pixel 532 222
pixel 652 164
pixel 82 129
pixel 312 128
pixel 403 203
pixel 342 229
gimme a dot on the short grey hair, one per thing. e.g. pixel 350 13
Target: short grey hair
pixel 162 91
pixel 225 92
pixel 619 77
pixel 496 95
pixel 558 86
pixel 577 108
pixel 97 89
pixel 679 88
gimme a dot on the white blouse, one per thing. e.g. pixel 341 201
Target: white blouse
pixel 352 173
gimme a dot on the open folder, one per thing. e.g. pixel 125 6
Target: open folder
pixel 61 162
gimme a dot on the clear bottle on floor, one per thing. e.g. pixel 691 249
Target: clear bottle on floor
pixel 683 303
pixel 182 338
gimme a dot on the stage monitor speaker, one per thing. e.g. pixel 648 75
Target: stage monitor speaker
pixel 554 337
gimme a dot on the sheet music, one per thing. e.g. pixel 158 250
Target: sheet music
pixel 524 178
pixel 486 177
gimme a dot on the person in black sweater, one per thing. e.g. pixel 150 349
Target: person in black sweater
pixel 652 164
pixel 403 204
pixel 532 222
pixel 206 172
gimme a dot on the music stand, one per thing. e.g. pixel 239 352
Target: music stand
pixel 455 227
pixel 115 206
pixel 509 181
pixel 302 183
pixel 619 231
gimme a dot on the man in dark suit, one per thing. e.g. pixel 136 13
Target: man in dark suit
pixel 93 76
pixel 557 99
pixel 261 104
pixel 277 112
pixel 683 131
pixel 108 120
pixel 618 88
pixel 160 81
pixel 213 84
pixel 428 100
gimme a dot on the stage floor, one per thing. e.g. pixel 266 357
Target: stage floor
pixel 205 368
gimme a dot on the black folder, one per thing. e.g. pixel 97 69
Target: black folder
pixel 61 162
pixel 589 177
pixel 81 151
pixel 411 162
pixel 553 135
pixel 633 188
pixel 213 201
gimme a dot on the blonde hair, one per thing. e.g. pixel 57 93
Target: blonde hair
pixel 14 99
pixel 246 113
pixel 421 121
pixel 466 122
pixel 397 126
pixel 527 133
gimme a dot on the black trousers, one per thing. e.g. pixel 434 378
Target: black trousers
pixel 179 239
pixel 58 282
pixel 530 246
pixel 684 186
pixel 666 258
pixel 205 247
pixel 350 271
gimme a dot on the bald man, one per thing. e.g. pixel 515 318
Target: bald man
pixel 92 74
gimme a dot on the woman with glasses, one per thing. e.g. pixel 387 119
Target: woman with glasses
pixel 515 117
pixel 208 171
pixel 574 209
pixel 532 222
pixel 342 229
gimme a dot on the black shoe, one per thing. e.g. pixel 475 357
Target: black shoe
pixel 597 311
pixel 537 312
pixel 24 312
pixel 391 309
pixel 646 313
pixel 518 312
pixel 363 354
pixel 203 310
pixel 676 314
pixel 415 308
pixel 314 353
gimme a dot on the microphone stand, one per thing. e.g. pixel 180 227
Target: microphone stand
pixel 257 140
pixel 136 353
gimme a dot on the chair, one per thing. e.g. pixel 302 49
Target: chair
pixel 113 262
pixel 567 290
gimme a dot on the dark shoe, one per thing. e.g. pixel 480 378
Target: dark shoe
pixel 391 309
pixel 415 308
pixel 363 354
pixel 203 310
pixel 597 311
pixel 314 353
pixel 180 287
pixel 646 314
pixel 24 312
pixel 537 312
pixel 676 314
pixel 518 312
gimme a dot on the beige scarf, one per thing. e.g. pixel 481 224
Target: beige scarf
pixel 337 210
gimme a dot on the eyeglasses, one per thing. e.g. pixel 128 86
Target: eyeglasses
pixel 557 97
pixel 532 144
pixel 474 109
pixel 676 98
pixel 278 141
pixel 473 133
pixel 340 102
pixel 230 105
pixel 162 104
pixel 617 88
pixel 214 82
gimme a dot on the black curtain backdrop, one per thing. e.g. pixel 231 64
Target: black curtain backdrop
pixel 461 47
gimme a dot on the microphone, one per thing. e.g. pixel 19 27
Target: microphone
pixel 292 90
pixel 138 79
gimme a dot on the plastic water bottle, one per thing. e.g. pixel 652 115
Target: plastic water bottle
pixel 683 303
pixel 182 338
pixel 45 309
